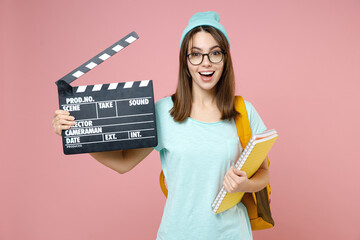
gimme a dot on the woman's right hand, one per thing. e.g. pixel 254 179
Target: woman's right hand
pixel 62 121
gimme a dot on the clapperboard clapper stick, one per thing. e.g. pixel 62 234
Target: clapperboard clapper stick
pixel 111 116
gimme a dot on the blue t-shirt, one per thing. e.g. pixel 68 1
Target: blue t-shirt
pixel 195 157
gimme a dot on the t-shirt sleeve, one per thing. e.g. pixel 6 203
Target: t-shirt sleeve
pixel 160 115
pixel 256 124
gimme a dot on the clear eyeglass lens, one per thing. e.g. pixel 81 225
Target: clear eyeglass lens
pixel 214 57
pixel 195 58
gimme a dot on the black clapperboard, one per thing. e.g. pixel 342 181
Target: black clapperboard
pixel 108 117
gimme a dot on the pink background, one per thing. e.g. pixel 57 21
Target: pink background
pixel 298 62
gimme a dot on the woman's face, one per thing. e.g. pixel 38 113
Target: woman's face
pixel 207 74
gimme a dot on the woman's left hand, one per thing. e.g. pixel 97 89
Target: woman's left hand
pixel 236 181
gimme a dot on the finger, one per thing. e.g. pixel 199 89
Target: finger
pixel 58 131
pixel 239 172
pixel 61 112
pixel 238 179
pixel 228 186
pixel 66 122
pixel 62 124
pixel 233 176
pixel 59 123
pixel 231 183
pixel 60 120
pixel 242 173
pixel 67 117
pixel 64 127
pixel 60 128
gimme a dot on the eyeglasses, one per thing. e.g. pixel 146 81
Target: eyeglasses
pixel 196 58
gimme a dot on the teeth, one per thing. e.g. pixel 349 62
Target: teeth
pixel 206 73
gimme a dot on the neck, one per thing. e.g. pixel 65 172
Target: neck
pixel 203 97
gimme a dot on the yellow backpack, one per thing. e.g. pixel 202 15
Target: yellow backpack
pixel 257 204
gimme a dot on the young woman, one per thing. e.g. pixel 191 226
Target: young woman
pixel 197 140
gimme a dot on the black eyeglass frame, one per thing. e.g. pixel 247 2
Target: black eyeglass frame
pixel 207 54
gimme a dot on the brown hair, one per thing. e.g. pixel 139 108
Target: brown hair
pixel 224 89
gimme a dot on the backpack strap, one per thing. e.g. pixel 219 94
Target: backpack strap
pixel 162 184
pixel 242 121
pixel 243 125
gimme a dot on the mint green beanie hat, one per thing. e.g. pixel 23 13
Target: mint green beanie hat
pixel 205 18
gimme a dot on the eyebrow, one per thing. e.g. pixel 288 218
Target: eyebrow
pixel 202 50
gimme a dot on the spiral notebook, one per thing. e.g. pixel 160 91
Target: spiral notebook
pixel 249 161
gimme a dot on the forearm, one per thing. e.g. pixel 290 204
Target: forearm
pixel 122 161
pixel 259 180
pixel 112 159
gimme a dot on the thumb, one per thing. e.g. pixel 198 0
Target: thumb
pixel 238 172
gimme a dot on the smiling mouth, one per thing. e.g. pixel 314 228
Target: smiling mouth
pixel 206 74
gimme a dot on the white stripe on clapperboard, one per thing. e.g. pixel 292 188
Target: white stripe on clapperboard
pixel 112 86
pixel 97 87
pixel 78 74
pixel 69 144
pixel 144 83
pixel 103 57
pixel 114 100
pixel 97 112
pixel 130 39
pixel 91 65
pixel 128 84
pixel 117 48
pixel 146 129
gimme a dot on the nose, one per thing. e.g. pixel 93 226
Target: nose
pixel 206 60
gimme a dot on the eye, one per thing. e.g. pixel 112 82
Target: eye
pixel 195 54
pixel 216 53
